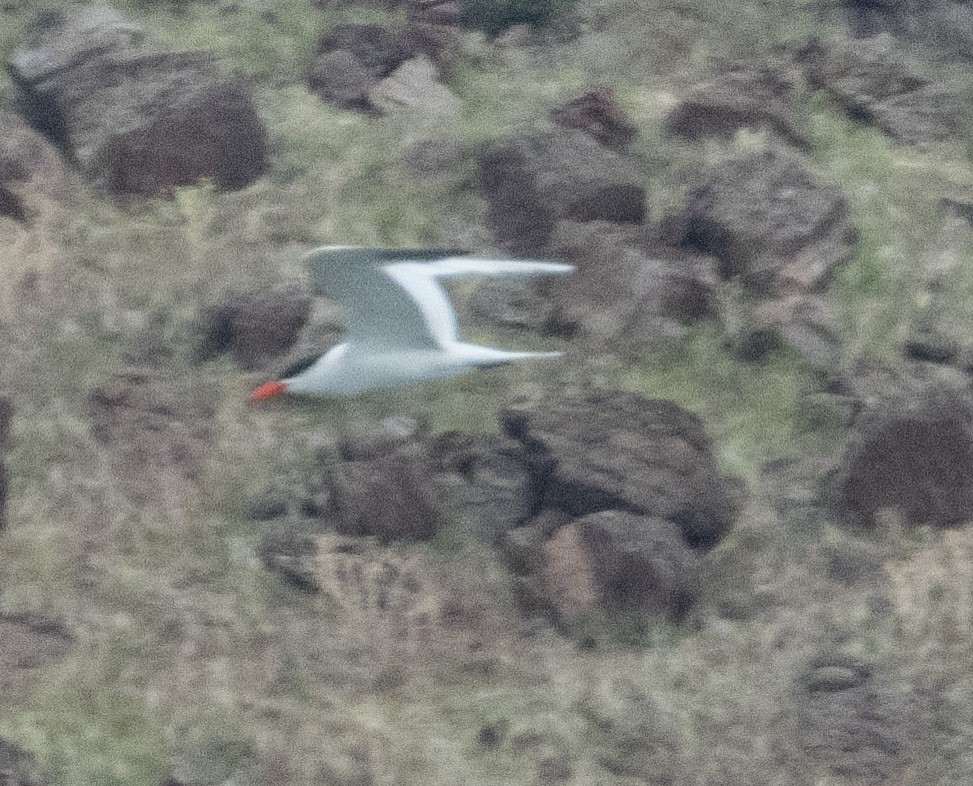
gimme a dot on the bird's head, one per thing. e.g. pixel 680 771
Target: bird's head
pixel 268 390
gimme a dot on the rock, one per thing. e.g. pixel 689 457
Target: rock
pixel 848 719
pixel 540 175
pixel 268 504
pixel 807 324
pixel 755 344
pixel 440 12
pixel 757 98
pixel 396 482
pixel 932 346
pixel 943 27
pixel 832 679
pixel 137 121
pixel 414 86
pixel 640 563
pixel 613 450
pixel 492 735
pixel 570 583
pixel 6 416
pixel 28 643
pixel 379 50
pixel 958 208
pixel 372 69
pixel 867 18
pixel 18 767
pixel 871 80
pixel 772 224
pixel 435 27
pixel 554 769
pixel 598 114
pixel 627 290
pixel 388 497
pixel 946 26
pixel 31 171
pixel 341 79
pixel 911 451
pixel 254 327
pixel 934 113
pixel 524 549
pixel 486 481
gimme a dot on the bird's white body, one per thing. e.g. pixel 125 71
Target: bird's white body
pixel 344 370
pixel 400 327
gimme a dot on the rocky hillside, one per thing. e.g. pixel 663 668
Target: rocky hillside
pixel 727 539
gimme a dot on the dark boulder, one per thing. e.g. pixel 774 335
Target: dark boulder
pixel 641 563
pixel 253 327
pixel 351 59
pixel 598 114
pixel 136 121
pixel 541 175
pixel 388 497
pixel 806 323
pixel 605 563
pixel 341 79
pixel 379 49
pixel 873 82
pixel 434 26
pixel 18 767
pixel 757 98
pixel 612 450
pixel 771 222
pixel 627 289
pixel 912 452
pixel 943 28
pixel 566 586
pixel 959 208
pixel 485 480
pixel 31 171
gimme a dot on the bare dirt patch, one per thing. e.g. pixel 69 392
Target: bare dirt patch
pixel 157 433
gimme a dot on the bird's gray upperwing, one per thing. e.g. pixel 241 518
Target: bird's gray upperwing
pixel 391 296
pixel 378 309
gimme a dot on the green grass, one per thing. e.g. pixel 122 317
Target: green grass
pixel 753 412
pixel 893 194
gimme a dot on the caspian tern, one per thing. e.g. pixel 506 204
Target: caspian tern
pixel 400 326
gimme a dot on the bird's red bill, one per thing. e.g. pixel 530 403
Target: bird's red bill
pixel 268 390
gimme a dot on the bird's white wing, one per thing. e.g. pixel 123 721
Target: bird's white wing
pixel 457 267
pixel 391 296
pixel 419 280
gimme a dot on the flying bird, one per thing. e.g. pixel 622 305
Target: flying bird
pixel 400 327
